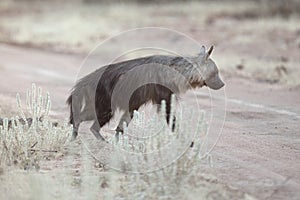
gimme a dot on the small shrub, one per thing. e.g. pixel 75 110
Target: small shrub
pixel 159 166
pixel 23 139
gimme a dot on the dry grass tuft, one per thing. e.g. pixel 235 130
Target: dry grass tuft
pixel 25 140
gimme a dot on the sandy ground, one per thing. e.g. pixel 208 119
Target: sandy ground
pixel 258 151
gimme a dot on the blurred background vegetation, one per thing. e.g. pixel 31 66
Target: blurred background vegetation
pixel 253 38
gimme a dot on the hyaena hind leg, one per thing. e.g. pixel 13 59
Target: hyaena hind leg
pixel 102 119
pixel 95 129
pixel 85 115
pixel 76 122
pixel 75 114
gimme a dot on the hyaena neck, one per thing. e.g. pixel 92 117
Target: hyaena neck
pixel 189 68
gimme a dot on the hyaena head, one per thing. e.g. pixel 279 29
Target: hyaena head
pixel 208 69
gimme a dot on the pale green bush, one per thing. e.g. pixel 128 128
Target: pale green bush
pixel 162 165
pixel 24 139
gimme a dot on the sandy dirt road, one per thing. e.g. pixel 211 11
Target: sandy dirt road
pixel 259 148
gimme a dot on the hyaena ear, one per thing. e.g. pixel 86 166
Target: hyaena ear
pixel 202 51
pixel 209 52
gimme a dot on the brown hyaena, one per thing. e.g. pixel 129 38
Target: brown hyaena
pixel 129 84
